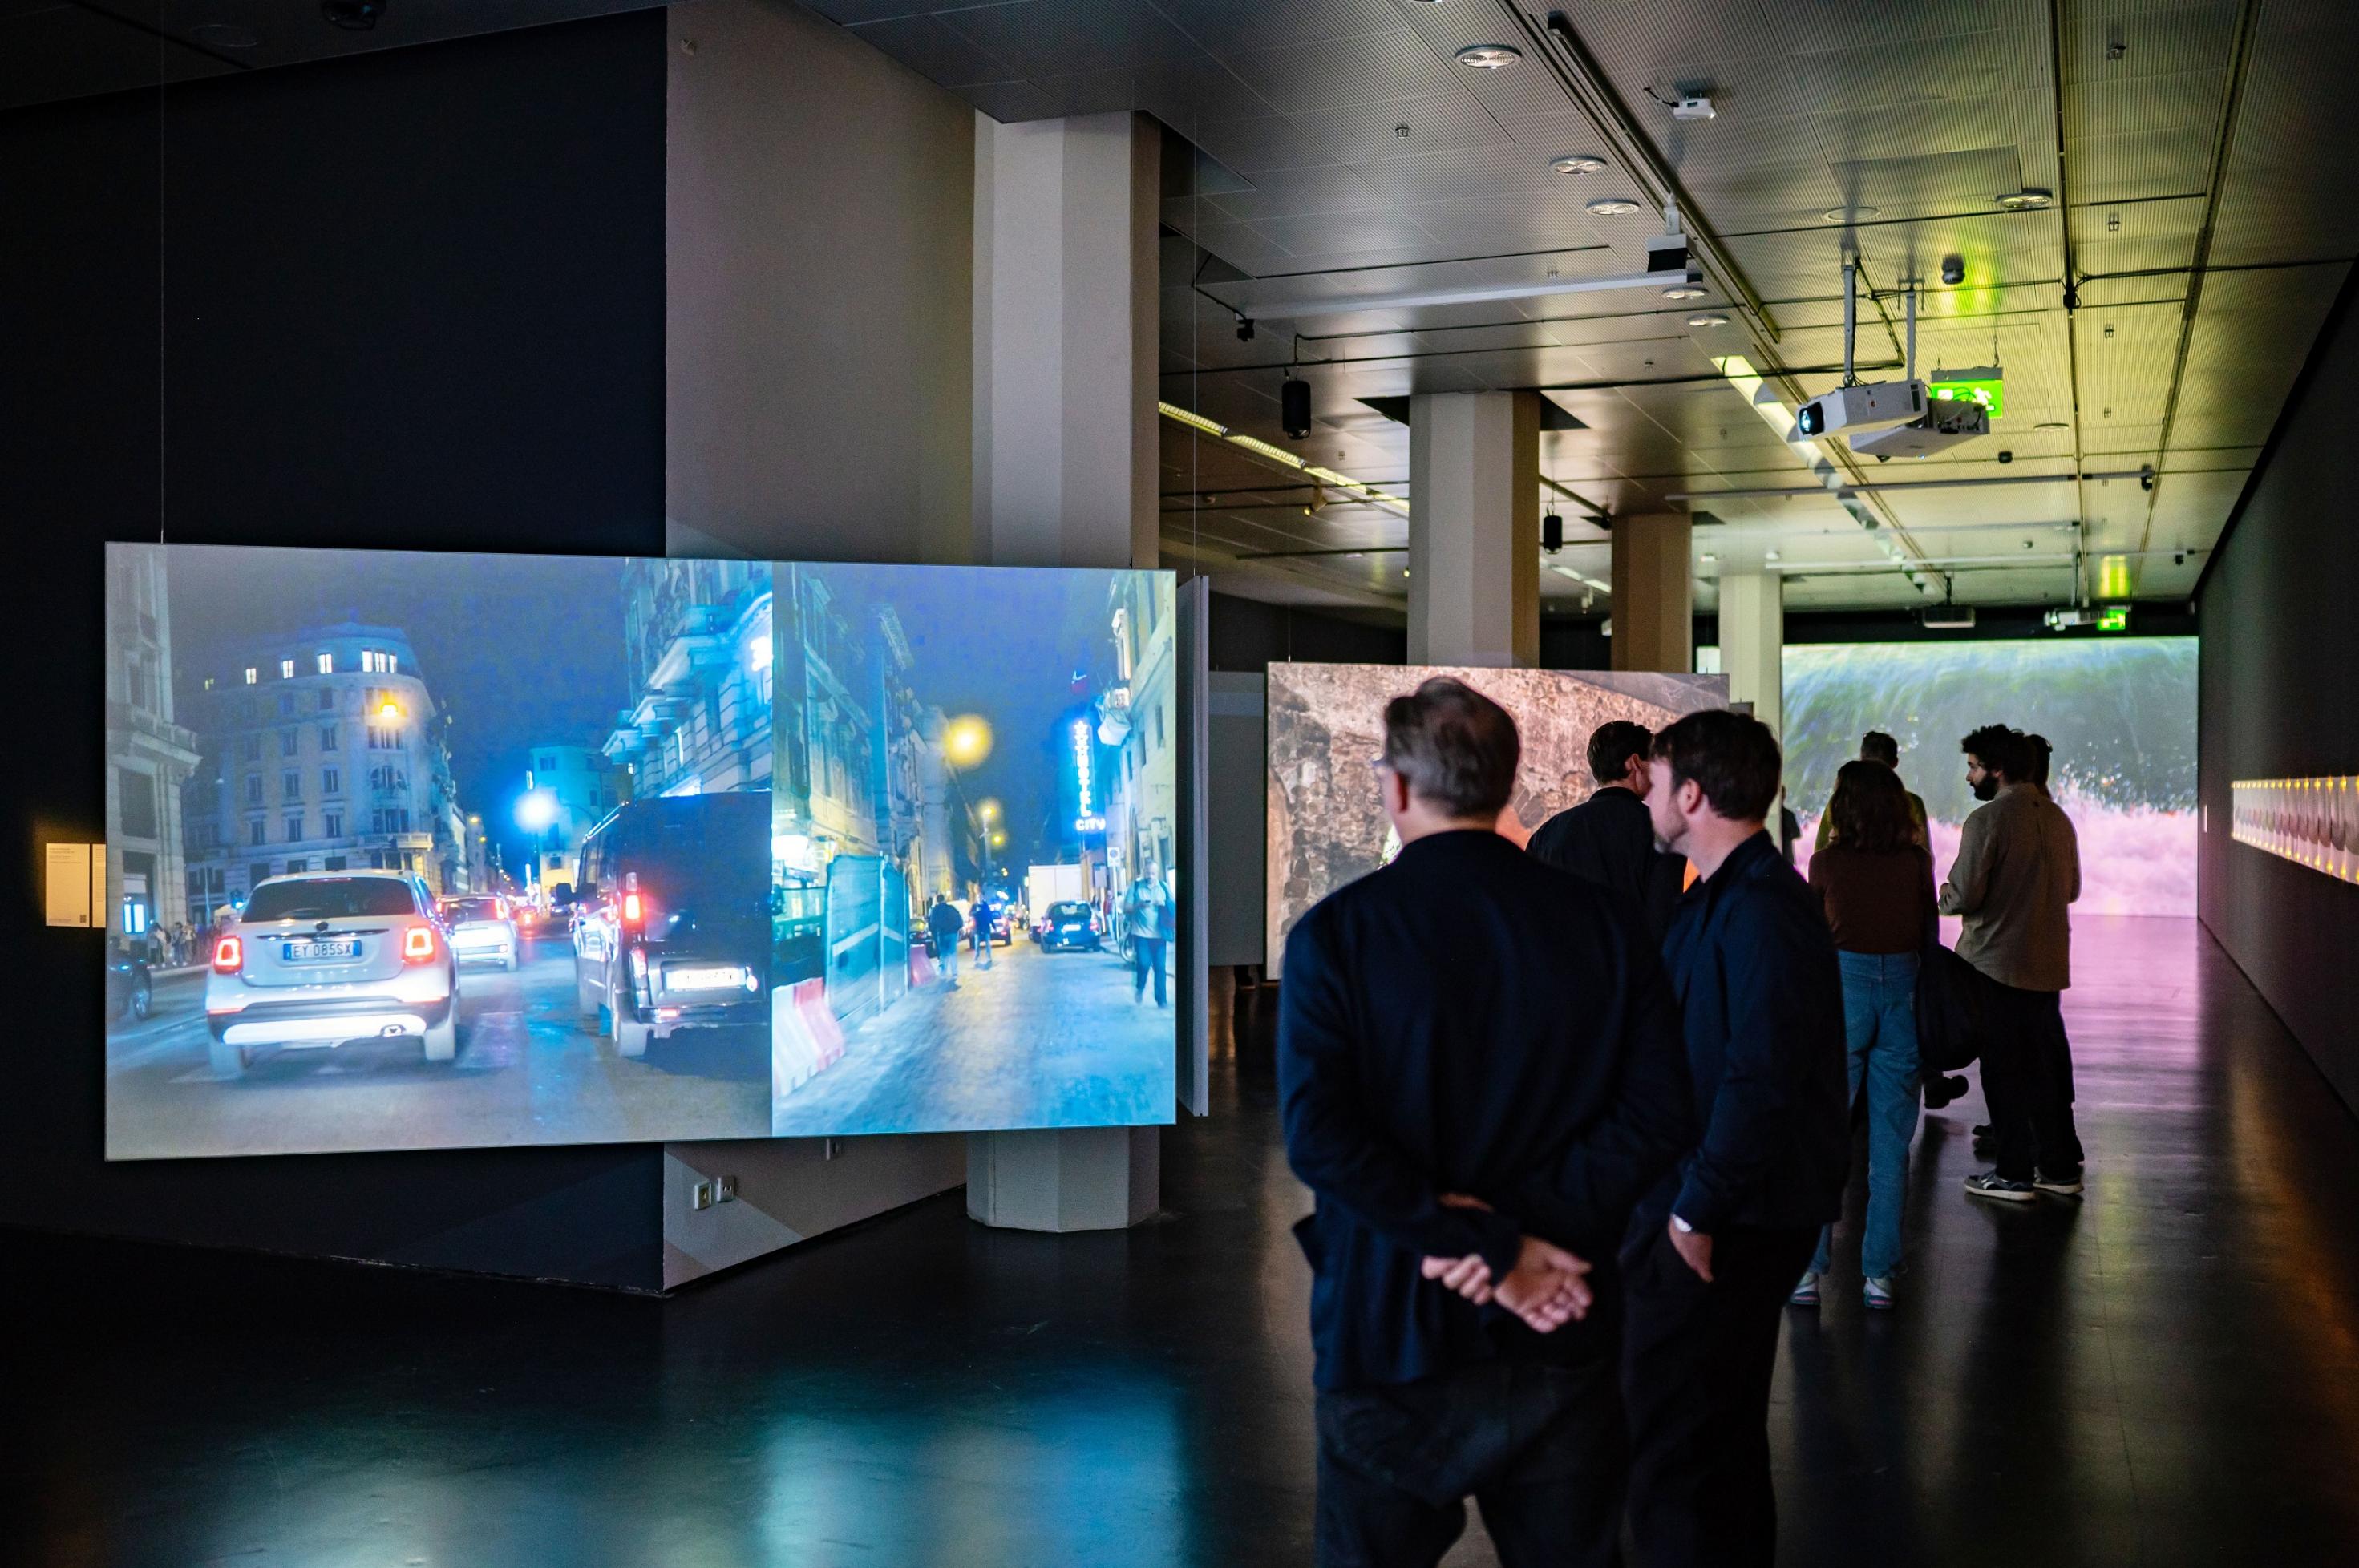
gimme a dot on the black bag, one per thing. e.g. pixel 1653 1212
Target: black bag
pixel 1949 1022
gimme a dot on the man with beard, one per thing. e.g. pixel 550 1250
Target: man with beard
pixel 2016 874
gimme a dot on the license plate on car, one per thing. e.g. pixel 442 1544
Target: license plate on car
pixel 302 952
pixel 730 977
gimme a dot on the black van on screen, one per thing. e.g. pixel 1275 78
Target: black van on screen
pixel 671 924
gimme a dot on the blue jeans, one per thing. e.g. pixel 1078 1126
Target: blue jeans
pixel 1880 1027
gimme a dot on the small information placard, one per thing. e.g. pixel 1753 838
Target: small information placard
pixel 76 890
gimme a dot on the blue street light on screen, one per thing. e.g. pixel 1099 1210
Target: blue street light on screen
pixel 537 811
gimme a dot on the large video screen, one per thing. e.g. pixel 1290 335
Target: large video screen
pixel 2119 711
pixel 1327 824
pixel 414 850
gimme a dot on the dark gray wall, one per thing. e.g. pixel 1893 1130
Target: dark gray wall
pixel 412 301
pixel 2279 688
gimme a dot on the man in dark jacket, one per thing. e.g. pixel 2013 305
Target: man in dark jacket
pixel 1714 1251
pixel 1468 1021
pixel 1607 841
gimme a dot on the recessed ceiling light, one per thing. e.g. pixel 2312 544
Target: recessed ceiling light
pixel 1611 207
pixel 2029 198
pixel 2052 425
pixel 1683 291
pixel 1710 559
pixel 1771 555
pixel 1578 163
pixel 1709 318
pixel 1849 214
pixel 1489 57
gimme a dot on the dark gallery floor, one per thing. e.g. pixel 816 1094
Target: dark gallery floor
pixel 2166 1372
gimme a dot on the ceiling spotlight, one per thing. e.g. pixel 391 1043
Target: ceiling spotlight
pixel 1578 163
pixel 1489 57
pixel 1849 214
pixel 2029 199
pixel 1953 270
pixel 1611 207
pixel 1683 291
pixel 1709 318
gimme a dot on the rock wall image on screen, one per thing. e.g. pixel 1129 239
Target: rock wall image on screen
pixel 1326 722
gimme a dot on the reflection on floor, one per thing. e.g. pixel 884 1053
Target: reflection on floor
pixel 2167 1372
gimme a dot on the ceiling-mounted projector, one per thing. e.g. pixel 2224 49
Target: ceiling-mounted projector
pixel 1866 407
pixel 1949 425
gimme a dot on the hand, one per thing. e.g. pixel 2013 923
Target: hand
pixel 1547 1287
pixel 1469 1276
pixel 1694 1248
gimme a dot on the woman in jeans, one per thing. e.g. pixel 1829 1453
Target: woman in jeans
pixel 1877 884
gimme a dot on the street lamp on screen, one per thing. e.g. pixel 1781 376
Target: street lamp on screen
pixel 989 810
pixel 536 812
pixel 967 741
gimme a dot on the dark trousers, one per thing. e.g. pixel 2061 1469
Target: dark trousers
pixel 1147 958
pixel 1539 1448
pixel 1696 1364
pixel 2028 1079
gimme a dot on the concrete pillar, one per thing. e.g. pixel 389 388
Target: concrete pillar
pixel 1753 643
pixel 1475 528
pixel 1066 281
pixel 1654 595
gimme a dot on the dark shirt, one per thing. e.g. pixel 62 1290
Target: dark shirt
pixel 1467 1020
pixel 943 920
pixel 1761 1001
pixel 1877 901
pixel 1608 840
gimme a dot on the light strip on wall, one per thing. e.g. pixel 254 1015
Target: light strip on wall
pixel 2311 822
pixel 1280 456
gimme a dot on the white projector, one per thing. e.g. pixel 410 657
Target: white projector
pixel 1868 407
pixel 1949 425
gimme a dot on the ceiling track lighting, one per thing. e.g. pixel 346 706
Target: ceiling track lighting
pixel 1475 293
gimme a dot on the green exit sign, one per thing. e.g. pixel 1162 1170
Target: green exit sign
pixel 2113 617
pixel 1990 391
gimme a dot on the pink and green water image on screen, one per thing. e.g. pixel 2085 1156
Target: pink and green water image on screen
pixel 2120 712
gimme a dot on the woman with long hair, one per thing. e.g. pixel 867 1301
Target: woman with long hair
pixel 1876 881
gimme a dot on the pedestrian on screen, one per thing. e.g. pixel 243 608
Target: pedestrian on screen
pixel 942 924
pixel 2015 877
pixel 1715 1252
pixel 1479 1070
pixel 1608 839
pixel 986 920
pixel 1149 917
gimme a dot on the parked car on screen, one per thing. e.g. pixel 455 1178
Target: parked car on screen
pixel 483 930
pixel 671 924
pixel 1070 924
pixel 129 991
pixel 320 959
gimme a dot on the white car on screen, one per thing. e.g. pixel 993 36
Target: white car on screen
pixel 319 959
pixel 483 930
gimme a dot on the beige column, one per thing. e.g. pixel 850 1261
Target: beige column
pixel 1066 294
pixel 1475 528
pixel 1654 594
pixel 1753 643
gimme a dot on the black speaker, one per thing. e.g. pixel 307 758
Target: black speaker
pixel 1294 407
pixel 1551 533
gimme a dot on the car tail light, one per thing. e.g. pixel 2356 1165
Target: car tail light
pixel 635 909
pixel 417 945
pixel 229 956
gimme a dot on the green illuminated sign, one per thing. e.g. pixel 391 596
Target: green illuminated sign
pixel 1989 393
pixel 2114 618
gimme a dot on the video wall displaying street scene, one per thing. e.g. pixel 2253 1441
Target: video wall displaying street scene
pixel 413 850
pixel 975 848
pixel 2120 713
pixel 1327 825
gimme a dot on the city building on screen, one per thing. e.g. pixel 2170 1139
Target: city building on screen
pixel 323 752
pixel 568 791
pixel 697 637
pixel 148 757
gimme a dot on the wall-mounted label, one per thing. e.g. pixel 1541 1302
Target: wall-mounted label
pixel 75 890
pixel 2311 822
